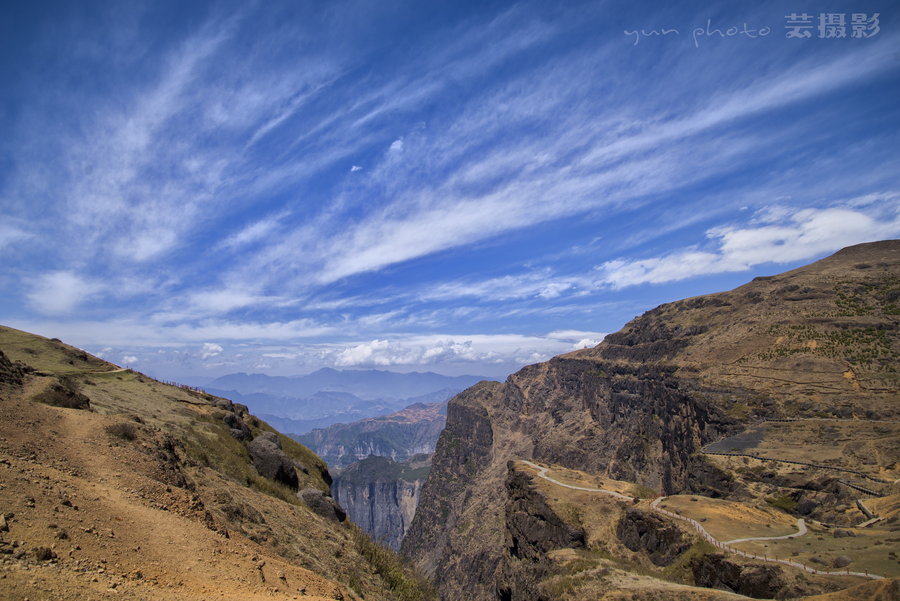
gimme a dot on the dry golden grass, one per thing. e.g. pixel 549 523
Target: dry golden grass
pixel 870 447
pixel 880 590
pixel 872 549
pixel 729 520
pixel 578 478
pixel 48 355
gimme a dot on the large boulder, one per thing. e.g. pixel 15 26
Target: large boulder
pixel 224 404
pixel 322 504
pixel 270 461
pixel 237 426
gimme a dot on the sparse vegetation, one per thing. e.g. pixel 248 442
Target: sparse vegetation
pixel 641 491
pixel 784 502
pixel 214 447
pixel 403 584
pixel 572 514
pixel 122 430
pixel 881 296
pixel 65 392
pixel 864 347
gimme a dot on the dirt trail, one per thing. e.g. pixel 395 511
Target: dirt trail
pixel 112 530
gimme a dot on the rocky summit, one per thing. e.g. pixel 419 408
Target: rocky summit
pixel 718 443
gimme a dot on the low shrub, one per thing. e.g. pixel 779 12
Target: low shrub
pixel 123 430
pixel 64 393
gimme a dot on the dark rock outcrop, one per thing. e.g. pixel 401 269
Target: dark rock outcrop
pixel 322 504
pixel 533 528
pixel 661 540
pixel 760 581
pixel 270 461
pixel 238 428
pixel 11 372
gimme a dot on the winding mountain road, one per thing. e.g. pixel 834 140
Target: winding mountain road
pixel 723 546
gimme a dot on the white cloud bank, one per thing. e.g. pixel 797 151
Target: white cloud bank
pixel 796 236
pixel 478 348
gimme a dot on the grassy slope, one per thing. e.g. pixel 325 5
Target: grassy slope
pixel 177 489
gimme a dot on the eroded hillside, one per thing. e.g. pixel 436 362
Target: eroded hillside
pixel 818 344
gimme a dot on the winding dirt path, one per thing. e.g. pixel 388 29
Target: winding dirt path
pixel 801 530
pixel 723 546
pixel 542 473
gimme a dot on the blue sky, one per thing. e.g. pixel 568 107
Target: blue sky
pixel 193 188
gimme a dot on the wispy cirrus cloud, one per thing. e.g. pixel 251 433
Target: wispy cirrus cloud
pixel 522 183
pixel 12 233
pixel 360 190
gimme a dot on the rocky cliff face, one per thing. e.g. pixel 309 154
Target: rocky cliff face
pixel 381 496
pixel 818 341
pixel 630 422
pixel 399 436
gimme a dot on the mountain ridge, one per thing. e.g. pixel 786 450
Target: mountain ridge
pixel 411 431
pixel 820 341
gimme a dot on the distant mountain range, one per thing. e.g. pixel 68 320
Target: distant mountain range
pixel 299 404
pixel 366 384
